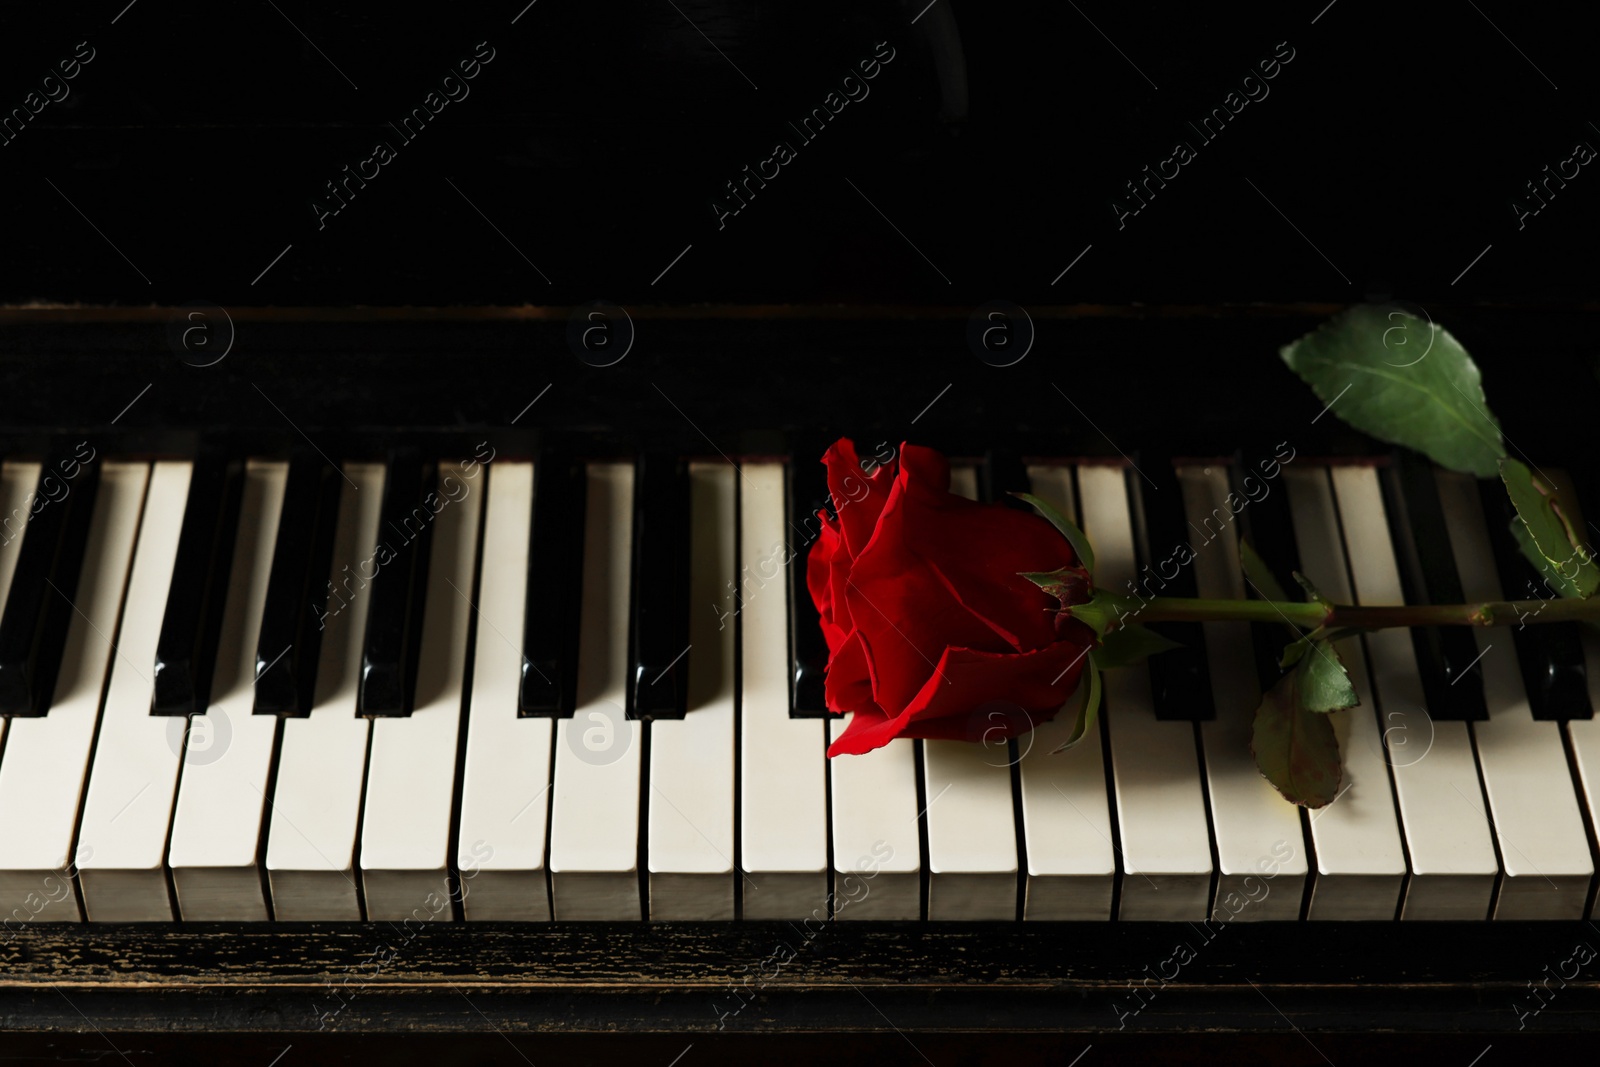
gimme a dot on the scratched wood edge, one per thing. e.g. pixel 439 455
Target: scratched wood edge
pixel 1013 954
pixel 1447 977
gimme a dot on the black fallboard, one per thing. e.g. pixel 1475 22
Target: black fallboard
pixel 1093 380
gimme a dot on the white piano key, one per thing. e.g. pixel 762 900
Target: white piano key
pixel 783 803
pixel 1453 865
pixel 47 759
pixel 877 845
pixel 134 772
pixel 1544 848
pixel 17 484
pixel 1584 734
pixel 411 766
pixel 690 840
pixel 1251 823
pixel 594 816
pixel 216 825
pixel 1361 863
pixel 1161 809
pixel 971 819
pixel 316 802
pixel 1066 812
pixel 505 791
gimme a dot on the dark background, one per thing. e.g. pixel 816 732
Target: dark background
pixel 585 159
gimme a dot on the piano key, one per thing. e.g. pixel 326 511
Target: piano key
pixel 187 647
pixel 594 815
pixel 46 759
pixel 38 606
pixel 215 848
pixel 970 817
pixel 1361 863
pixel 291 633
pixel 549 645
pixel 1267 524
pixel 808 491
pixel 1066 815
pixel 505 791
pixel 1179 679
pixel 408 810
pixel 399 588
pixel 316 800
pixel 1583 736
pixel 1544 849
pixel 1453 864
pixel 1551 655
pixel 1570 696
pixel 1251 823
pixel 1004 473
pixel 1161 808
pixel 134 771
pixel 877 846
pixel 783 801
pixel 17 481
pixel 660 602
pixel 1446 655
pixel 690 835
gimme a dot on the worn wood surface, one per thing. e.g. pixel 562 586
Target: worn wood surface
pixel 761 977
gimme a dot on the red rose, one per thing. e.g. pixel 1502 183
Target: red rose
pixel 925 611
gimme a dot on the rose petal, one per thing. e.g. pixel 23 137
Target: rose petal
pixel 899 596
pixel 967 681
pixel 980 550
pixel 857 498
pixel 824 581
pixel 848 684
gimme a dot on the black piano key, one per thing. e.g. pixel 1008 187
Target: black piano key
pixel 1180 679
pixel 1447 656
pixel 186 650
pixel 808 492
pixel 1268 525
pixel 555 540
pixel 38 609
pixel 290 640
pixel 398 589
pixel 1549 654
pixel 1002 474
pixel 660 687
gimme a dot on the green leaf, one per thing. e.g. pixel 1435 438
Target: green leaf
pixel 1258 574
pixel 1128 645
pixel 1424 393
pixel 1548 532
pixel 1295 748
pixel 1324 684
pixel 1553 577
pixel 1091 708
pixel 1293 652
pixel 1069 530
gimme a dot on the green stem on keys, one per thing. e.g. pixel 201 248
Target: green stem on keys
pixel 1337 616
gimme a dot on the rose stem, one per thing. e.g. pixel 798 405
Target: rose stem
pixel 1483 613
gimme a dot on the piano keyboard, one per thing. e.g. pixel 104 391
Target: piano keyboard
pixel 508 711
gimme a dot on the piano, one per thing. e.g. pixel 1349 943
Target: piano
pixel 505 714
pixel 400 644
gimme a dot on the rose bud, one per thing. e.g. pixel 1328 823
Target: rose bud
pixel 925 609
